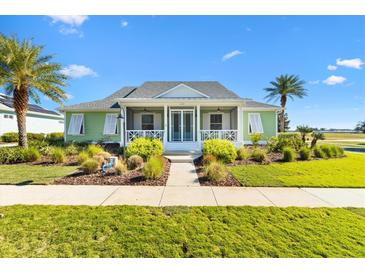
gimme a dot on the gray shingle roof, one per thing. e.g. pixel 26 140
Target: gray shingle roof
pixel 151 89
pixel 255 104
pixel 9 102
pixel 107 102
pixel 213 89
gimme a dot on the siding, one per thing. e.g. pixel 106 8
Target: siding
pixel 268 119
pixel 94 128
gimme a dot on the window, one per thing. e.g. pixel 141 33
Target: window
pixel 147 121
pixel 216 121
pixel 76 126
pixel 8 116
pixel 110 125
pixel 254 123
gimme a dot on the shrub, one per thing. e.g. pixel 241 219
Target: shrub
pixel 82 157
pixel 145 147
pixel 293 140
pixel 92 150
pixel 104 154
pixel 120 168
pixel 58 155
pixel 55 138
pixel 209 158
pixel 318 152
pixel 289 154
pixel 90 166
pixel 10 137
pixel 31 154
pixel 242 154
pixel 340 151
pixel 135 161
pixel 12 155
pixel 327 150
pixel 154 167
pixel 259 155
pixel 255 138
pixel 36 136
pixel 223 150
pixel 99 159
pixel 216 171
pixel 333 149
pixel 71 149
pixel 305 153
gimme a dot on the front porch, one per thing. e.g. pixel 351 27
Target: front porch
pixel 183 128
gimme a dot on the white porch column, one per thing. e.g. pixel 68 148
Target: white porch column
pixel 125 125
pixel 198 137
pixel 165 123
pixel 239 125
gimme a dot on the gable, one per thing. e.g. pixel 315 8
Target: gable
pixel 182 91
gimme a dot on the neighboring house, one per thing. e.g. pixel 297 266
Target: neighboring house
pixel 181 114
pixel 39 120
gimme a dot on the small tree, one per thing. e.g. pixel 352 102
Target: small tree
pixel 304 130
pixel 315 137
pixel 286 122
pixel 360 126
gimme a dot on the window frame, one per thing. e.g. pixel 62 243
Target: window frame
pixel 82 128
pixel 153 120
pixel 210 121
pixel 116 132
pixel 249 123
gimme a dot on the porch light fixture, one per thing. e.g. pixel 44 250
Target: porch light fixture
pixel 218 109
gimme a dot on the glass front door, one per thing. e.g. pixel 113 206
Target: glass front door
pixel 182 125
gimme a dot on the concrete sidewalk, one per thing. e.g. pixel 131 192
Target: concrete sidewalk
pixel 181 195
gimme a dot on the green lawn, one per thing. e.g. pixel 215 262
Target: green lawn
pixel 344 136
pixel 131 231
pixel 344 172
pixel 32 174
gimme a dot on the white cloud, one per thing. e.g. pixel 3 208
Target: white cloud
pixel 331 67
pixel 78 71
pixel 72 20
pixel 69 30
pixel 231 55
pixel 248 29
pixel 69 96
pixel 334 80
pixel 314 82
pixel 355 63
pixel 124 24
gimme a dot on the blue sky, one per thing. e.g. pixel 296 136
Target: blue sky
pixel 244 53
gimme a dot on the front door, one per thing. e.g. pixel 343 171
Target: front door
pixel 182 125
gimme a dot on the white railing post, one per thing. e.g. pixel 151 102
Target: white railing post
pixel 198 125
pixel 240 125
pixel 164 137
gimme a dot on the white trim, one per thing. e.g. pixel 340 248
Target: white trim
pixel 165 124
pixel 239 124
pixel 198 126
pixel 276 124
pixel 178 86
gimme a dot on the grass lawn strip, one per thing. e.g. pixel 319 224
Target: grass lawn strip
pixel 342 172
pixel 131 231
pixel 33 174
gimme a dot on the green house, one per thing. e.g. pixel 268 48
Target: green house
pixel 182 114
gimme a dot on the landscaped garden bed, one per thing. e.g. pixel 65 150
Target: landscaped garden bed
pixel 132 177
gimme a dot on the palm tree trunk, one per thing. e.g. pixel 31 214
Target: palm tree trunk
pixel 282 121
pixel 21 107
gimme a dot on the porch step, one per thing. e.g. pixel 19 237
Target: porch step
pixel 182 158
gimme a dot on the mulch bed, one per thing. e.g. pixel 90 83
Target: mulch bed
pixel 47 161
pixel 132 177
pixel 204 181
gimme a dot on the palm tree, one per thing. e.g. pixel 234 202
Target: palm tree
pixel 23 71
pixel 304 130
pixel 316 135
pixel 360 126
pixel 284 87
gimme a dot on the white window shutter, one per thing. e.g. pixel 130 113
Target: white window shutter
pixel 255 123
pixel 76 122
pixel 110 124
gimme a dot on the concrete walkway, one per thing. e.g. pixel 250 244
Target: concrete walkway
pixel 182 174
pixel 181 195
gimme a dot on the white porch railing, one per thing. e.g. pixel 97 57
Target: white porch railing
pixel 227 134
pixel 133 134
